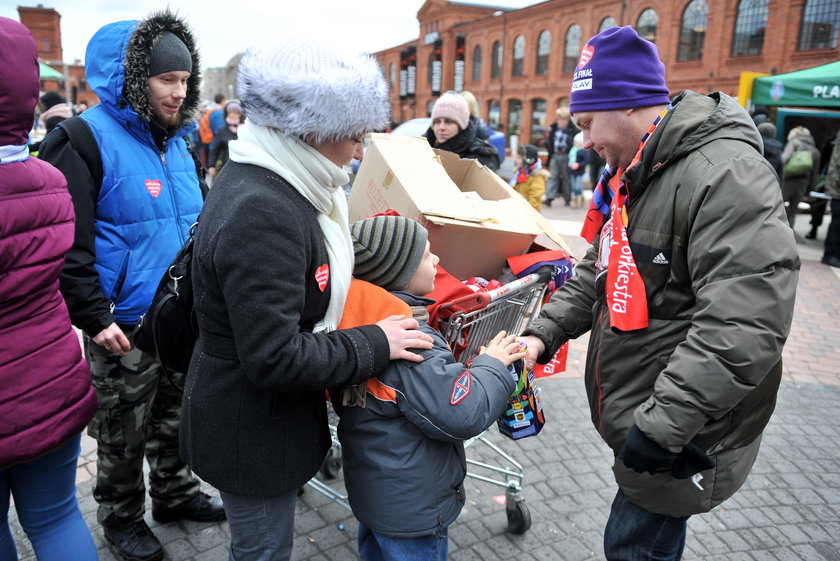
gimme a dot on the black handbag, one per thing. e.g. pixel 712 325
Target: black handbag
pixel 169 329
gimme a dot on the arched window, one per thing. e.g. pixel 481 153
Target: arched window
pixel 748 38
pixel 543 50
pixel 608 22
pixel 693 31
pixel 571 53
pixel 496 60
pixel 819 25
pixel 518 66
pixel 537 122
pixel 476 69
pixel 646 26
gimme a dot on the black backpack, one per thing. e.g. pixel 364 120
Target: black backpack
pixel 168 330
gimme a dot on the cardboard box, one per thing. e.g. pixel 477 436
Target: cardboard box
pixel 475 220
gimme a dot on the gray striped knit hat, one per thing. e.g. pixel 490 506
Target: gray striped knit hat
pixel 388 250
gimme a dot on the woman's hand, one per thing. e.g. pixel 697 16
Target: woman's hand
pixel 403 333
pixel 504 347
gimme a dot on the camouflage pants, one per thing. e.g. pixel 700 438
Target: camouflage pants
pixel 139 415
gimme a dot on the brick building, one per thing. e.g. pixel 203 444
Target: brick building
pixel 519 63
pixel 45 26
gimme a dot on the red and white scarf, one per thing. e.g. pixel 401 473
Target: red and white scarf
pixel 607 213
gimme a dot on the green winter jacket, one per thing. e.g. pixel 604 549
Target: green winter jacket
pixel 720 265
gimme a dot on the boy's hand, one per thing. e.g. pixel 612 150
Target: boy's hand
pixel 504 347
pixel 535 347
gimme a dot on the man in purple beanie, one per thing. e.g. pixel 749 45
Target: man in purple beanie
pixel 687 289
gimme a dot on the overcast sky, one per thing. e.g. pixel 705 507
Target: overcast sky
pixel 223 29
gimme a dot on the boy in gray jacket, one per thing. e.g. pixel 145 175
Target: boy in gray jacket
pixel 402 434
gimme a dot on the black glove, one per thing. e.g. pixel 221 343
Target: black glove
pixel 690 461
pixel 641 454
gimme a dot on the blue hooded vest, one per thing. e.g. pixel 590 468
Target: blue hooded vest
pixel 149 198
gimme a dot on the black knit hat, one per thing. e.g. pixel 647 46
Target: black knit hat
pixel 529 153
pixel 388 250
pixel 169 53
pixel 51 99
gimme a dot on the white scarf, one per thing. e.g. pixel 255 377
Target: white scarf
pixel 11 153
pixel 319 180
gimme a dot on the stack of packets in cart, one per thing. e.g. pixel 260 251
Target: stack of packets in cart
pixel 524 416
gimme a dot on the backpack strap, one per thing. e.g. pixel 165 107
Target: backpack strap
pixel 83 141
pixel 199 170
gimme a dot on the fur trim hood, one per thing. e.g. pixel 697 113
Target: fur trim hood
pixel 305 89
pixel 117 66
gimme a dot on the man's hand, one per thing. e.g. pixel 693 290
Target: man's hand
pixel 113 339
pixel 403 334
pixel 535 347
pixel 642 454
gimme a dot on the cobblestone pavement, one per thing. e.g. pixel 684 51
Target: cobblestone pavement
pixel 789 508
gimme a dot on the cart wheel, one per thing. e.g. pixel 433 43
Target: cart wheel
pixel 332 463
pixel 519 518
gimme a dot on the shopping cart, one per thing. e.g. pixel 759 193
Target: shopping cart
pixel 467 323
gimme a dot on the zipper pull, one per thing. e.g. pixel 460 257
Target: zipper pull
pixel 163 153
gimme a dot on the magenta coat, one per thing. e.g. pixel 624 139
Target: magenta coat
pixel 46 394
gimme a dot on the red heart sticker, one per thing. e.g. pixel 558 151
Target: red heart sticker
pixel 322 275
pixel 153 186
pixel 586 55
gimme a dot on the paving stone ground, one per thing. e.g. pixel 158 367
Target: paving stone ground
pixel 789 508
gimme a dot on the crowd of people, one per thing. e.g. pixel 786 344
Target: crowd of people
pixel 687 295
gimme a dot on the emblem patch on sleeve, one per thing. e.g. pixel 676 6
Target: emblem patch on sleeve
pixel 461 388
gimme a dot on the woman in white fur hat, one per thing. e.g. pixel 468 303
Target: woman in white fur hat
pixel 273 260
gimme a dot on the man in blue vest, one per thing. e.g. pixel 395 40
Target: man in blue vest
pixel 133 212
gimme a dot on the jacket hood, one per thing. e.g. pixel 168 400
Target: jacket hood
pixel 695 121
pixel 117 66
pixel 19 82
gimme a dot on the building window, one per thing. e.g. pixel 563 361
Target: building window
pixel 392 71
pixel 518 56
pixel 496 60
pixel 429 106
pixel 820 21
pixel 543 50
pixel 514 116
pixel 749 27
pixel 82 85
pixel 608 22
pixel 646 26
pixel 45 44
pixel 494 114
pixel 430 69
pixel 538 122
pixel 571 54
pixel 476 69
pixel 693 31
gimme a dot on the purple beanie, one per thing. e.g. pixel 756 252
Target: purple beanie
pixel 618 70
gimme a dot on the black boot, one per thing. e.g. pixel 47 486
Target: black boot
pixel 133 540
pixel 200 508
pixel 812 235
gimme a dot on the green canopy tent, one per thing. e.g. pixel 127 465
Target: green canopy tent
pixel 49 73
pixel 812 87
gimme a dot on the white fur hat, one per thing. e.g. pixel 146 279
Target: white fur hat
pixel 307 89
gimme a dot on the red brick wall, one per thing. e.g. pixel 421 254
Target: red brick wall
pixel 717 71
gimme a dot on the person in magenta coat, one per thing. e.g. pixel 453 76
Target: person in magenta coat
pixel 46 395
